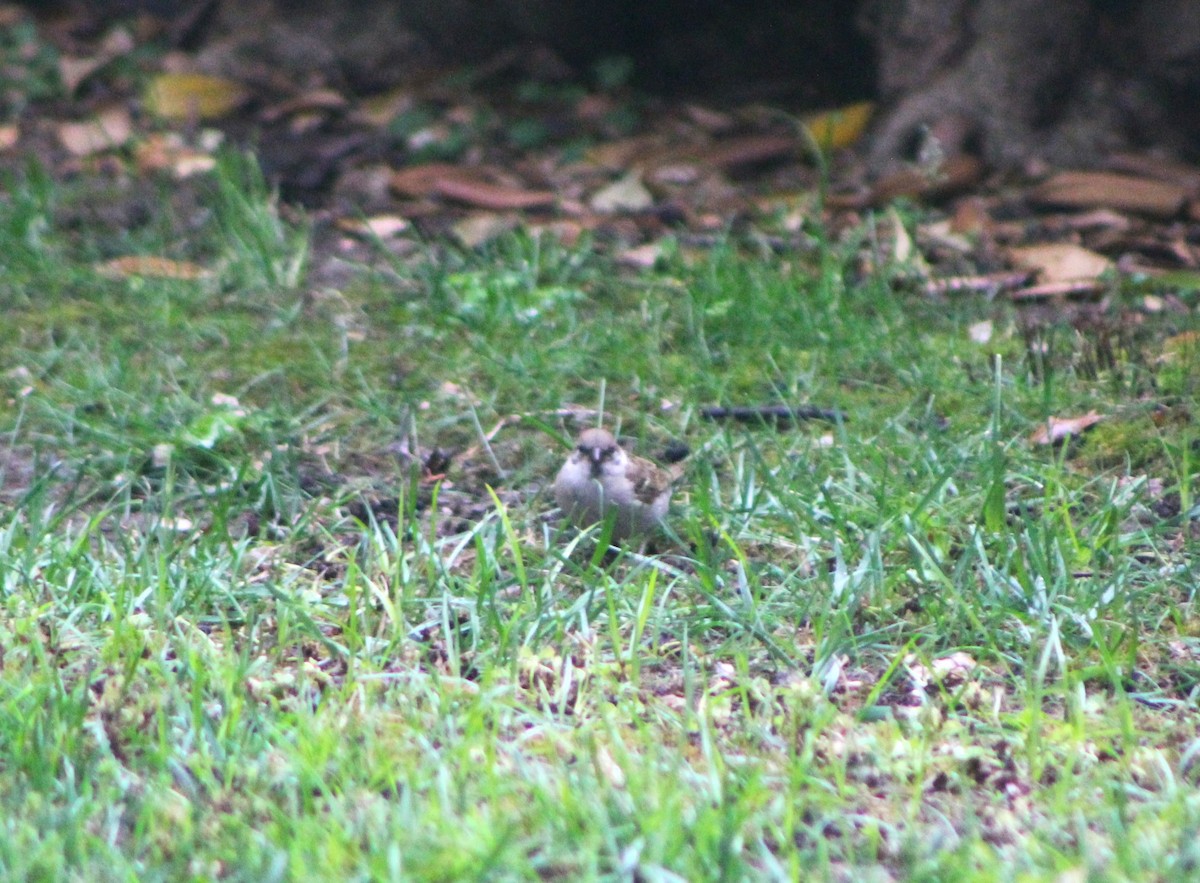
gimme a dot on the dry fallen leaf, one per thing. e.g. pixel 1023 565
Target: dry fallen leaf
pixel 642 257
pixel 991 283
pixel 972 216
pixel 953 669
pixel 563 230
pixel 675 173
pixel 422 180
pixel 74 71
pixel 379 110
pixel 1071 288
pixel 1060 262
pixel 167 151
pixel 942 233
pixel 746 150
pixel 627 194
pixel 150 267
pixel 946 671
pixel 307 102
pixel 902 244
pixel 712 121
pixel 1146 196
pixel 378 226
pixel 1150 166
pixel 1057 429
pixel 476 229
pixel 497 197
pixel 622 153
pixel 470 186
pixel 110 129
pixel 1094 219
pixel 956 173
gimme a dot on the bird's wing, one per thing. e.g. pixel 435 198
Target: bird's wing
pixel 649 481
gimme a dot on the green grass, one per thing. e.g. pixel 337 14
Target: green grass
pixel 246 636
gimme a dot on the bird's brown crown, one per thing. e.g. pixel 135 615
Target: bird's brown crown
pixel 597 442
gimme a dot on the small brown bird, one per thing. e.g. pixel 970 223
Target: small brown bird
pixel 600 478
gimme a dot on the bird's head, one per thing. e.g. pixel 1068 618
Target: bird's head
pixel 598 447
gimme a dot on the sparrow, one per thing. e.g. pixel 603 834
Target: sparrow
pixel 600 478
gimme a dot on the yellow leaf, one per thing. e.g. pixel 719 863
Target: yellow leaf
pixel 193 96
pixel 840 127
